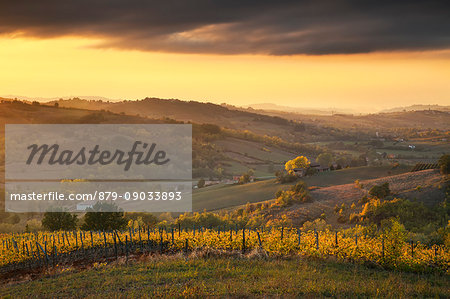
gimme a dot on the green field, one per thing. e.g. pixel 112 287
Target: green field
pixel 245 154
pixel 349 175
pixel 424 149
pixel 202 277
pixel 224 196
pixel 255 149
pixel 260 170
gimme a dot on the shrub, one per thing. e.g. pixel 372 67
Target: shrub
pixel 284 177
pixel 358 184
pixel 300 192
pixel 59 220
pixel 136 223
pixel 341 217
pixel 283 222
pixel 201 183
pixel 380 191
pixel 147 219
pixel 33 225
pixel 297 193
pixel 336 209
pixel 245 178
pixel 414 215
pixel 210 129
pixel 394 236
pixel 444 164
pixel 104 216
pixel 354 218
pixel 363 199
pixel 205 219
pixel 318 224
pixel 279 192
pixel 325 159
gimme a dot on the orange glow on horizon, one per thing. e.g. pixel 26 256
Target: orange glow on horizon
pixel 75 67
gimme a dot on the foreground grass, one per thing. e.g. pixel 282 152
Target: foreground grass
pixel 231 277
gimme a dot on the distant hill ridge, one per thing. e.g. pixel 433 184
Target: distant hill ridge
pixel 173 108
pixel 302 110
pixel 417 108
pixel 288 125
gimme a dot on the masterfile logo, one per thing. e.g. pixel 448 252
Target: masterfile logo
pixel 142 168
pixel 53 155
pixel 116 151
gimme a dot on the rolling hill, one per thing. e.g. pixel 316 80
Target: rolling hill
pixel 430 192
pixel 222 196
pixel 417 108
pixel 382 122
pixel 290 126
pixel 191 111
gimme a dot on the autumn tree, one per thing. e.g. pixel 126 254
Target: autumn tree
pixel 104 216
pixel 299 162
pixel 59 220
pixel 325 159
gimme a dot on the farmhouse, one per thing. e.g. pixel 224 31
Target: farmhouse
pixel 319 167
pixel 300 172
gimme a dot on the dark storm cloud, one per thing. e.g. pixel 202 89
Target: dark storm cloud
pixel 234 27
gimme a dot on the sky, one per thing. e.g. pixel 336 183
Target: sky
pixel 325 53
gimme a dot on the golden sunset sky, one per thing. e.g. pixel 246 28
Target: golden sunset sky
pixel 240 60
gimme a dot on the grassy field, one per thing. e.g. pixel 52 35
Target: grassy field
pixel 349 175
pixel 260 170
pixel 254 149
pixel 424 149
pixel 247 154
pixel 200 277
pixel 224 196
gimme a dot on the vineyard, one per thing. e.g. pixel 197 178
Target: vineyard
pixel 425 166
pixel 31 251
